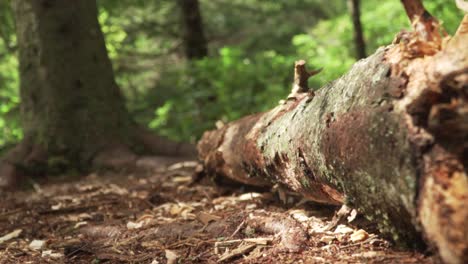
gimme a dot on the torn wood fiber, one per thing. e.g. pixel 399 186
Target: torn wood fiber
pixel 389 138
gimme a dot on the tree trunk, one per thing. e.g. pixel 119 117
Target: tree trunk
pixel 389 138
pixel 359 43
pixel 69 99
pixel 193 34
pixel 71 108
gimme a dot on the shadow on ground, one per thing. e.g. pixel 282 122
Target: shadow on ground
pixel 160 214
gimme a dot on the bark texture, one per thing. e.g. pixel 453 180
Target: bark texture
pixel 72 111
pixel 389 138
pixel 194 36
pixel 69 98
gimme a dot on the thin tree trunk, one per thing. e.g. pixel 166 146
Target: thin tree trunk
pixel 389 138
pixel 359 43
pixel 194 36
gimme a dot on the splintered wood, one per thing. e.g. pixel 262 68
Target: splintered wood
pixel 389 138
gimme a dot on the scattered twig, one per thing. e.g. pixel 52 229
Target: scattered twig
pixel 237 252
pixel 237 229
pixel 73 252
pixel 339 217
pixel 258 241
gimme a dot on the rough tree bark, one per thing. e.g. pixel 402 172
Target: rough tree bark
pixel 193 34
pixel 359 43
pixel 389 138
pixel 73 114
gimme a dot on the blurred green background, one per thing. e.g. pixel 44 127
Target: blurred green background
pixel 252 47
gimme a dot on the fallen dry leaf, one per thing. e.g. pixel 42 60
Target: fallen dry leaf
pixel 181 209
pixel 359 235
pixel 51 254
pixel 342 229
pixel 10 235
pixel 56 207
pixel 80 224
pixel 369 254
pixel 300 215
pixel 182 179
pixel 327 239
pixel 37 244
pixel 205 218
pixel 171 256
pixel 352 215
pixel 182 165
pixel 249 196
pixel 114 188
pixel 134 225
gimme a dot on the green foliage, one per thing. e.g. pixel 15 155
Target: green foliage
pixel 253 44
pixel 329 44
pixel 225 87
pixel 9 101
pixel 10 131
pixel 249 70
pixel 114 34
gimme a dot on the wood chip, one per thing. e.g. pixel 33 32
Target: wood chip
pixel 183 165
pixel 51 254
pixel 171 256
pixel 206 218
pixel 342 229
pixel 327 239
pixel 300 215
pixel 257 241
pixel 182 179
pixel 11 235
pixel 133 225
pixel 352 215
pixel 80 224
pixel 242 249
pixel 359 235
pixel 249 196
pixel 37 244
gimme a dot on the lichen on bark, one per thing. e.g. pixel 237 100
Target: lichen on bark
pixel 368 139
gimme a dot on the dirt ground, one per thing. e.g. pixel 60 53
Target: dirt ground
pixel 160 213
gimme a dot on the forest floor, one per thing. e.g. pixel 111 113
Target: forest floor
pixel 161 213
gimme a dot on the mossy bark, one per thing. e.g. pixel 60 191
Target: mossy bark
pixel 366 140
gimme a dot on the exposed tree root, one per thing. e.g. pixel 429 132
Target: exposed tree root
pixel 31 160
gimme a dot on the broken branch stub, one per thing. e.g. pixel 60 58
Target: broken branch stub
pixel 301 77
pixel 422 21
pixel 380 138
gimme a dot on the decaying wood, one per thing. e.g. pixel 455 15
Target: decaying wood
pixel 423 22
pixel 301 77
pixel 389 138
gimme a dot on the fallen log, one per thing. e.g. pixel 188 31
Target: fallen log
pixel 389 138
